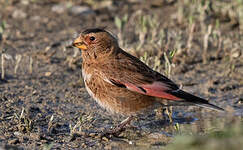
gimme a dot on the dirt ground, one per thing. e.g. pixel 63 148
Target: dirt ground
pixel 43 102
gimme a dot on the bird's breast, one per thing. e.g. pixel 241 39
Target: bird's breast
pixel 88 83
pixel 112 98
pixel 86 76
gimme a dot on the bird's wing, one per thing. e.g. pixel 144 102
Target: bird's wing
pixel 129 72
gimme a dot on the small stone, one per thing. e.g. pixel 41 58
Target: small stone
pixel 25 2
pixel 83 145
pixel 235 53
pixel 47 74
pixel 92 134
pixel 59 8
pixel 17 134
pixel 81 10
pixel 105 139
pixel 19 14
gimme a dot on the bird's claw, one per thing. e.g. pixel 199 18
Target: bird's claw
pixel 118 129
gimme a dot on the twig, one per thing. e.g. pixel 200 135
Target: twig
pixel 205 43
pixel 2 64
pixel 31 64
pixel 220 45
pixel 50 123
pixel 189 42
pixel 167 65
pixel 18 59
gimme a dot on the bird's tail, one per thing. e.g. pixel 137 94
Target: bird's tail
pixel 187 97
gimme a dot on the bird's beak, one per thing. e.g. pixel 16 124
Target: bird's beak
pixel 78 42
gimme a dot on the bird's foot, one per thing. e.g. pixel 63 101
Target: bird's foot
pixel 119 128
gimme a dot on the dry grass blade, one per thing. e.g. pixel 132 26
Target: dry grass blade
pixel 205 44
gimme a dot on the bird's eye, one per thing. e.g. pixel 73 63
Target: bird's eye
pixel 92 38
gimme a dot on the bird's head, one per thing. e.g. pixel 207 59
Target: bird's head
pixel 95 41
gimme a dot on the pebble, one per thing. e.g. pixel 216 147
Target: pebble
pixel 76 10
pixel 92 134
pixel 18 13
pixel 235 53
pixel 17 134
pixel 59 8
pixel 47 74
pixel 105 139
pixel 81 10
pixel 83 145
pixel 25 2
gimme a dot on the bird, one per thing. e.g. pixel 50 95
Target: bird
pixel 121 83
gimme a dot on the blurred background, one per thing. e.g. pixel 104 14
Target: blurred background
pixel 43 103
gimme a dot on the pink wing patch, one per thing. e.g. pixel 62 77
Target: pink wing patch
pixel 156 89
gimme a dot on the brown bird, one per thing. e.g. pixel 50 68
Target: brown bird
pixel 120 82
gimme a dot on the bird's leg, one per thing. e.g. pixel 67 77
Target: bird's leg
pixel 118 129
pixel 120 126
